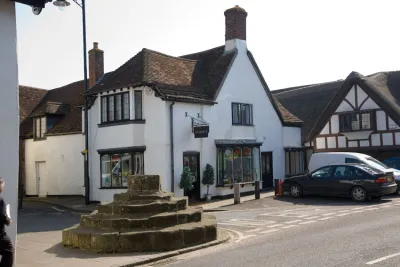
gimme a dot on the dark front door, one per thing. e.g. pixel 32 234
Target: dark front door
pixel 192 160
pixel 266 170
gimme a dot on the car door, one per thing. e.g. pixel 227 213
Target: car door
pixel 319 180
pixel 342 182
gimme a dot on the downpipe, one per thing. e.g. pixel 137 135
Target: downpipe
pixel 171 136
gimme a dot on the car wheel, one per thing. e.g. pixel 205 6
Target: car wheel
pixel 359 194
pixel 295 190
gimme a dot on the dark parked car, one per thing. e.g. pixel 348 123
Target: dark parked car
pixel 355 180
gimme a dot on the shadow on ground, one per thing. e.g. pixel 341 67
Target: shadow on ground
pixel 60 251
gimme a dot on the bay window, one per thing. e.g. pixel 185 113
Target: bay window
pixel 115 168
pixel 115 107
pixel 296 160
pixel 238 164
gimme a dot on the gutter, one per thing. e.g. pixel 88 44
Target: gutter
pixel 171 136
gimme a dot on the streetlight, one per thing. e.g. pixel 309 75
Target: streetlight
pixel 62 4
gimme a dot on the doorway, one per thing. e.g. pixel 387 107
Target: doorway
pixel 267 170
pixel 40 169
pixel 192 160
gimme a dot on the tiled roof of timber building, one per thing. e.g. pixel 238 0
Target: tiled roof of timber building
pixel 29 97
pixel 190 78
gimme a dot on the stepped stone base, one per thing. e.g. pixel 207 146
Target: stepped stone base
pixel 142 219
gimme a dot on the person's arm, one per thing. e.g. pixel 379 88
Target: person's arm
pixel 3 214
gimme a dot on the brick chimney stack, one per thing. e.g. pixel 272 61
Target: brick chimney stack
pixel 235 23
pixel 96 64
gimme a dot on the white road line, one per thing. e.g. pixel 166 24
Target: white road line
pixel 343 210
pixel 397 204
pixel 358 211
pixel 325 218
pixel 289 226
pixel 307 222
pixel 235 224
pixel 274 225
pixel 374 208
pixel 295 221
pixel 314 217
pixel 343 214
pixel 328 214
pixel 269 231
pixel 254 230
pixel 59 210
pixel 357 208
pixel 383 258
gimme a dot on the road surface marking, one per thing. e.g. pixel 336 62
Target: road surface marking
pixel 328 214
pixel 314 217
pixel 373 209
pixel 357 211
pixel 325 218
pixel 357 208
pixel 270 231
pixel 343 214
pixel 289 226
pixel 235 224
pixel 295 221
pixel 343 210
pixel 307 222
pixel 274 225
pixel 59 210
pixel 254 230
pixel 383 258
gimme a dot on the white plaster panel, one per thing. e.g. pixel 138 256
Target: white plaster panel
pixel 380 120
pixel 292 136
pixel 375 140
pixel 392 124
pixel 331 142
pixel 344 106
pixel 397 137
pixel 369 104
pixel 335 124
pixel 361 95
pixel 64 165
pixel 9 131
pixel 351 96
pixel 320 142
pixel 353 144
pixel 325 130
pixel 364 143
pixel 387 139
pixel 342 141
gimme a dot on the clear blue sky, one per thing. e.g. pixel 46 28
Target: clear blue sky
pixel 294 42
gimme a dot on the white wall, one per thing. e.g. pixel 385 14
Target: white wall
pixel 291 136
pixel 9 110
pixel 154 134
pixel 63 174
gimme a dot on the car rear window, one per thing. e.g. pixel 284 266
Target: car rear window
pixel 367 169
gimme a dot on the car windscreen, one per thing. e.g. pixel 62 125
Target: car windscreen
pixel 376 163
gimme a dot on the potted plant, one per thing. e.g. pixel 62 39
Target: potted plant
pixel 186 182
pixel 208 179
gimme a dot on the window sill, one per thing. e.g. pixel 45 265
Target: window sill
pixel 239 124
pixel 114 123
pixel 101 188
pixel 363 130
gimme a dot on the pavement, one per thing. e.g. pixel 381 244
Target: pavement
pixel 309 232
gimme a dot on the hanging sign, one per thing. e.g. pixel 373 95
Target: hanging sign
pixel 201 131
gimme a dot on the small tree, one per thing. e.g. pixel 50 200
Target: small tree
pixel 208 176
pixel 186 182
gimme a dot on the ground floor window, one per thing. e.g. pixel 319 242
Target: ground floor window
pixel 238 165
pixel 115 168
pixel 296 160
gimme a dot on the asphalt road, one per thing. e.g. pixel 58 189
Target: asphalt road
pixel 312 232
pixel 41 217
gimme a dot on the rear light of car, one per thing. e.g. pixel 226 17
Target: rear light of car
pixel 381 180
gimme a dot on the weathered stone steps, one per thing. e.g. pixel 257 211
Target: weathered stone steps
pixel 158 206
pixel 128 196
pixel 170 238
pixel 161 220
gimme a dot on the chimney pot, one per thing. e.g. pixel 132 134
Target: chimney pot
pixel 95 45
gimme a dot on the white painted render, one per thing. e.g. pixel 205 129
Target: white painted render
pixel 9 109
pixel 63 171
pixel 366 138
pixel 241 85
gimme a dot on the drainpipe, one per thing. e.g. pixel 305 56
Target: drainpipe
pixel 171 136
